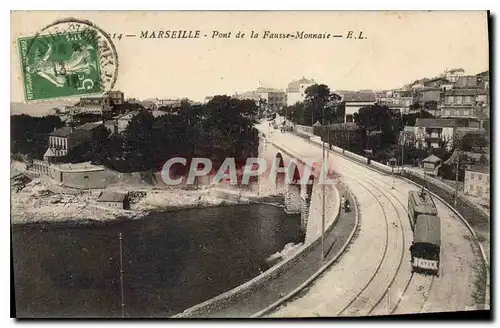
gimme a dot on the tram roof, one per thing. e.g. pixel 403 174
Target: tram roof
pixel 423 203
pixel 428 230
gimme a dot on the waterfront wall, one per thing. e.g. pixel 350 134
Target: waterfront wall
pixel 226 299
pixel 311 217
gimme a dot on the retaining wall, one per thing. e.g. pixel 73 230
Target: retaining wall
pixel 226 299
pixel 355 156
pixel 223 300
pixel 382 167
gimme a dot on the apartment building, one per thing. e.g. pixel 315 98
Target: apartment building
pixel 434 132
pixel 477 181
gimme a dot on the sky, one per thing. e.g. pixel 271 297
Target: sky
pixel 399 48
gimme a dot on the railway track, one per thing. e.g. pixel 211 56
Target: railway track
pixel 415 282
pixel 353 307
pixel 409 292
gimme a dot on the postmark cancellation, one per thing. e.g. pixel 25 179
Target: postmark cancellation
pixel 68 58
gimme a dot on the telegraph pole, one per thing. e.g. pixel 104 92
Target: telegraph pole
pixel 402 153
pixel 456 176
pixel 121 276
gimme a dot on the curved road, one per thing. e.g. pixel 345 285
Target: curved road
pixel 373 277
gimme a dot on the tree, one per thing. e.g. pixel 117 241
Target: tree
pixel 377 118
pixel 29 135
pixel 295 113
pixel 449 171
pixel 410 119
pixel 321 104
pixel 139 147
pixel 470 141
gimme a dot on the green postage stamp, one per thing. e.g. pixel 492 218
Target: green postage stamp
pixel 60 65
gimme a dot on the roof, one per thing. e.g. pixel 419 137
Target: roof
pixel 440 78
pixel 432 159
pixel 479 168
pixel 116 92
pixel 253 95
pixel 452 159
pixel 49 153
pixel 108 196
pixel 89 126
pixel 93 98
pixel 265 89
pixel 428 230
pixel 456 70
pixel 359 97
pixel 424 204
pixel 62 132
pixel 435 123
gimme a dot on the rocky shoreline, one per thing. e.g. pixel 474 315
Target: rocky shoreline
pixel 42 202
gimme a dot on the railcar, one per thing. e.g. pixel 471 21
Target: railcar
pixel 426 247
pixel 420 203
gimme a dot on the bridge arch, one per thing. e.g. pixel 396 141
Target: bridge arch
pixel 309 187
pixel 279 180
pixel 293 189
pixel 294 176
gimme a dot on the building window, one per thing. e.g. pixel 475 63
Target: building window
pixel 472 176
pixel 479 177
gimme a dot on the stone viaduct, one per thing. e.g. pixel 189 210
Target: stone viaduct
pixel 302 196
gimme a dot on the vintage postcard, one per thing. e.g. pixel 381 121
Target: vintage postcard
pixel 250 164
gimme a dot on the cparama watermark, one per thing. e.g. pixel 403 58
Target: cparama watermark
pixel 295 172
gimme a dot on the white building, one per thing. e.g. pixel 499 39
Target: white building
pixel 92 105
pixel 354 101
pixel 453 75
pixel 62 140
pixel 477 181
pixel 296 90
pixel 275 99
pixel 434 132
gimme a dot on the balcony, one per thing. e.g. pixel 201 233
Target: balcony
pixel 461 104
